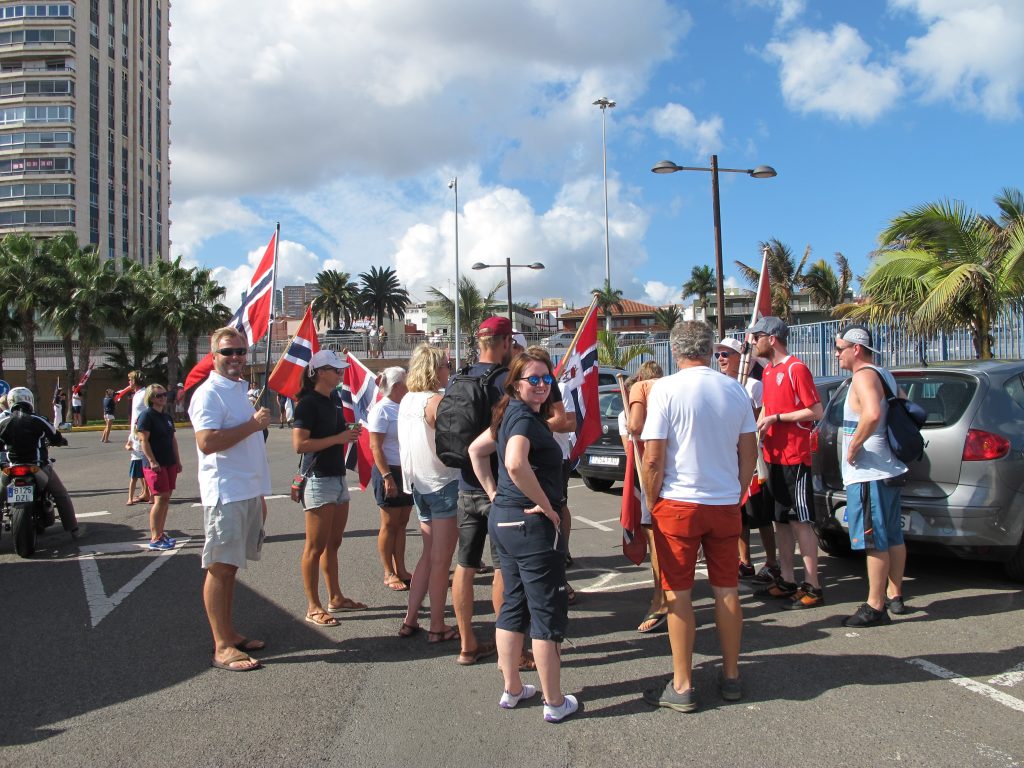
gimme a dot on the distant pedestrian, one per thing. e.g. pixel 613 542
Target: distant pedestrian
pixel 76 406
pixel 58 407
pixel 137 460
pixel 872 476
pixel 233 479
pixel 282 418
pixel 382 340
pixel 108 415
pixel 155 429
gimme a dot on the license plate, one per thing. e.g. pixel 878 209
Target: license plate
pixel 18 494
pixel 905 523
pixel 604 461
pixel 843 521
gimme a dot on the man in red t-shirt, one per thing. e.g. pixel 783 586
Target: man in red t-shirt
pixel 791 405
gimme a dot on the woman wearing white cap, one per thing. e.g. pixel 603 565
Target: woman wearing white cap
pixel 319 434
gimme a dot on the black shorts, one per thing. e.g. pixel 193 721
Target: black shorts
pixel 377 481
pixel 758 509
pixel 566 474
pixel 473 509
pixel 76 409
pixel 790 493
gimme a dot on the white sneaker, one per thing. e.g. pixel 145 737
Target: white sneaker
pixel 558 714
pixel 509 700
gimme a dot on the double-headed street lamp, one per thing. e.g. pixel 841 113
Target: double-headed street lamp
pixel 508 277
pixel 760 172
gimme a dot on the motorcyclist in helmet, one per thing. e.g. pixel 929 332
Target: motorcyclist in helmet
pixel 26 435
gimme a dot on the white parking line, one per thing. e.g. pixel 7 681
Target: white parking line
pixel 972 685
pixel 1010 678
pixel 92 514
pixel 592 524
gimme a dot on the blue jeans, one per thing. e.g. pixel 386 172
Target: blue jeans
pixel 438 505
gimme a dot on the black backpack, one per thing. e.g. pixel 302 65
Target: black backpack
pixel 463 413
pixel 903 425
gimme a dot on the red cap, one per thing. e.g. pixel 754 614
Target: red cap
pixel 495 326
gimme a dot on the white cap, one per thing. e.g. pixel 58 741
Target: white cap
pixel 518 338
pixel 730 343
pixel 327 358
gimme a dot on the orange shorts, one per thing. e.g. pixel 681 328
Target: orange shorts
pixel 681 527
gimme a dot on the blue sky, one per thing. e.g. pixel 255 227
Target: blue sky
pixel 345 122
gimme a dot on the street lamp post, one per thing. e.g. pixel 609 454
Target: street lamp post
pixel 605 104
pixel 508 277
pixel 760 172
pixel 454 185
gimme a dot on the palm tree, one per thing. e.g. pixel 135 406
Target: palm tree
pixel 611 354
pixel 382 294
pixel 784 274
pixel 8 333
pixel 25 275
pixel 204 294
pixel 137 355
pixel 608 298
pixel 338 299
pixel 827 287
pixel 700 284
pixel 139 318
pixel 474 308
pixel 667 317
pixel 942 266
pixel 170 285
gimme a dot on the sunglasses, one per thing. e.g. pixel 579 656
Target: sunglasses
pixel 840 349
pixel 760 335
pixel 724 353
pixel 547 378
pixel 233 351
pixel 159 394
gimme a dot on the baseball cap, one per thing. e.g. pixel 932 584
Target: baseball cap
pixel 518 338
pixel 495 326
pixel 327 358
pixel 770 325
pixel 858 334
pixel 733 344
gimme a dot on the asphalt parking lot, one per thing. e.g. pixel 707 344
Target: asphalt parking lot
pixel 106 657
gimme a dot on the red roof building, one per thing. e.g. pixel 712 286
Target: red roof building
pixel 633 316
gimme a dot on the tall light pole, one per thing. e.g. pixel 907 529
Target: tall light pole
pixel 605 104
pixel 760 172
pixel 454 185
pixel 508 277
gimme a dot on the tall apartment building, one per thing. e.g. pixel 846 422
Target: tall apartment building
pixel 84 122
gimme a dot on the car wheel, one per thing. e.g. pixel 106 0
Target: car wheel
pixel 1014 567
pixel 597 483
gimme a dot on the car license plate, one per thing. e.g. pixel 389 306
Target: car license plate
pixel 843 521
pixel 604 461
pixel 905 523
pixel 18 494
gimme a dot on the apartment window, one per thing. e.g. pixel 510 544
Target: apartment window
pixel 32 139
pixel 36 115
pixel 36 36
pixel 63 11
pixel 58 216
pixel 22 191
pixel 30 165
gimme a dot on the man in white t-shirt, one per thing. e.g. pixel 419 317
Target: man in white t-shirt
pixel 700 451
pixel 233 479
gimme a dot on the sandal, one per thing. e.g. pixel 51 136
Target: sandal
pixel 444 635
pixel 347 604
pixel 482 651
pixel 241 658
pixel 570 593
pixel 322 619
pixel 408 630
pixel 245 645
pixel 526 662
pixel 392 582
pixel 652 622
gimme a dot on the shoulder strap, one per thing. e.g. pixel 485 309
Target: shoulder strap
pixel 885 385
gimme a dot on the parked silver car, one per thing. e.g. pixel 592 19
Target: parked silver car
pixel 559 340
pixel 966 495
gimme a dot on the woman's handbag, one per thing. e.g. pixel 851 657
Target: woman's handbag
pixel 299 481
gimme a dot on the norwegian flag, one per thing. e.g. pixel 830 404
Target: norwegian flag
pixel 252 318
pixel 577 372
pixel 121 393
pixel 763 297
pixel 634 543
pixel 82 382
pixel 286 378
pixel 358 392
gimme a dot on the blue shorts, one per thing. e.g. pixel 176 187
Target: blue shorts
pixel 321 491
pixel 135 467
pixel 401 500
pixel 884 529
pixel 439 505
pixel 533 568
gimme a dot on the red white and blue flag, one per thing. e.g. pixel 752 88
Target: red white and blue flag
pixel 358 393
pixel 252 318
pixel 286 378
pixel 634 543
pixel 83 381
pixel 577 375
pixel 121 393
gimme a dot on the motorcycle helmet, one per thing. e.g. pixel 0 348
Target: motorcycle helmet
pixel 21 396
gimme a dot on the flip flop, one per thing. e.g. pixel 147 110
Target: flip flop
pixel 408 630
pixel 322 619
pixel 395 584
pixel 245 645
pixel 226 665
pixel 482 651
pixel 445 635
pixel 659 619
pixel 347 604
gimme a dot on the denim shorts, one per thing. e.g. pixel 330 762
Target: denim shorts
pixel 439 505
pixel 401 500
pixel 324 490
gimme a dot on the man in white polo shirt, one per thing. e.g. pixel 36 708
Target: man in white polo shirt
pixel 233 479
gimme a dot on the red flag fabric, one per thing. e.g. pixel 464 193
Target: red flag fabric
pixel 252 318
pixel 763 298
pixel 82 382
pixel 577 372
pixel 121 393
pixel 286 378
pixel 359 392
pixel 634 543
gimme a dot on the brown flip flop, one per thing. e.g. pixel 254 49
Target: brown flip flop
pixel 226 665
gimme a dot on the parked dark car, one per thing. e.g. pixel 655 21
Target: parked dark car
pixel 604 463
pixel 966 495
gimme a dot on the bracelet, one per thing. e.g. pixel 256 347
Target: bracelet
pixel 778 417
pixel 385 477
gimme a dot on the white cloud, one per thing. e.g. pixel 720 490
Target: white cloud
pixel 831 73
pixel 202 218
pixel 787 10
pixel 972 53
pixel 676 122
pixel 659 294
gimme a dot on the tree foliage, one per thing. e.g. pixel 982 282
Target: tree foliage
pixel 785 275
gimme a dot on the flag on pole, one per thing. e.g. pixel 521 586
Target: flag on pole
pixel 82 382
pixel 763 297
pixel 577 372
pixel 253 317
pixel 358 392
pixel 286 378
pixel 121 393
pixel 634 543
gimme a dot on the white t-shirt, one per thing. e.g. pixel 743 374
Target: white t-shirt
pixel 700 414
pixel 565 440
pixel 241 472
pixel 420 466
pixel 138 406
pixel 383 419
pixel 756 391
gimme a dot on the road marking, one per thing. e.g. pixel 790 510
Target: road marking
pixel 100 603
pixel 611 520
pixel 92 514
pixel 592 524
pixel 278 496
pixel 1011 677
pixel 972 685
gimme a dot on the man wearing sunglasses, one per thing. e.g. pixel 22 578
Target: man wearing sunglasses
pixel 791 406
pixel 234 476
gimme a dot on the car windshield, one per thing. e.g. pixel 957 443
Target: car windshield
pixel 611 405
pixel 944 396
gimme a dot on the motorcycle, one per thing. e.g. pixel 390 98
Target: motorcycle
pixel 26 508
